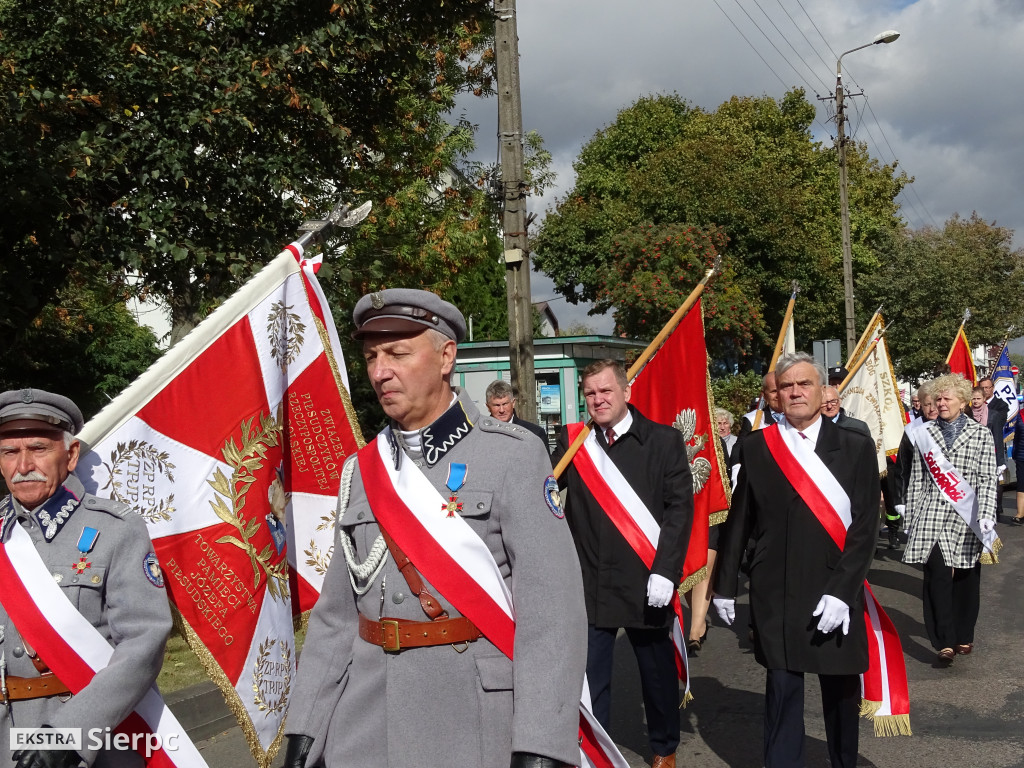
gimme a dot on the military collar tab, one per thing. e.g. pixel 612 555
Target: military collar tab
pixel 54 513
pixel 6 515
pixel 396 449
pixel 445 433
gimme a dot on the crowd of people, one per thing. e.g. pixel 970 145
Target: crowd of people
pixel 478 580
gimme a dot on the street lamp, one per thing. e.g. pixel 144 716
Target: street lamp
pixel 844 200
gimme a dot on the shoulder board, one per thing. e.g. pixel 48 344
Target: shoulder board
pixel 490 424
pixel 110 506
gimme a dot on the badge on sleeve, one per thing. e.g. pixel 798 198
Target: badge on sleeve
pixel 151 567
pixel 552 498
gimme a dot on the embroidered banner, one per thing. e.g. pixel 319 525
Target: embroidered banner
pixel 231 448
pixel 674 388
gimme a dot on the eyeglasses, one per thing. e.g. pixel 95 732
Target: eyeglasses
pixel 830 403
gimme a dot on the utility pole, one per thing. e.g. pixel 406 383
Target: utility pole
pixel 513 196
pixel 844 207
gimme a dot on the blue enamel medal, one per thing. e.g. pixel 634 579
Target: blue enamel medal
pixel 456 479
pixel 85 544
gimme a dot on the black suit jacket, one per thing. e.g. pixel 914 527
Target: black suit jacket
pixel 997 413
pixel 795 561
pixel 652 457
pixel 851 423
pixel 535 428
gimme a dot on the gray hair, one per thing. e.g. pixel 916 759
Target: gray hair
pixel 69 439
pixel 498 389
pixel 721 413
pixel 788 361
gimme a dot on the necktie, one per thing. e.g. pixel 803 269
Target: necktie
pixel 610 436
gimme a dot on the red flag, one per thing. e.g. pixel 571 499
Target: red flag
pixel 674 388
pixel 960 359
pixel 231 447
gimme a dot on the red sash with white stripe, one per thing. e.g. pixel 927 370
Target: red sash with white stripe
pixel 885 696
pixel 75 650
pixel 633 520
pixel 455 560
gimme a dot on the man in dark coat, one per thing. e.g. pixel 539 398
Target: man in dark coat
pixel 799 574
pixel 501 404
pixel 620 590
pixel 831 409
pixel 998 411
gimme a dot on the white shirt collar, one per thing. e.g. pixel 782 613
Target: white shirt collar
pixel 991 398
pixel 811 433
pixel 622 427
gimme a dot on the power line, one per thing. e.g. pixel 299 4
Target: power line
pixel 801 31
pixel 773 45
pixel 792 47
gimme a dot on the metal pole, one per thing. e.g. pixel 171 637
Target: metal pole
pixel 513 186
pixel 844 209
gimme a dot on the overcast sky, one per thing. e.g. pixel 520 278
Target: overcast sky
pixel 944 99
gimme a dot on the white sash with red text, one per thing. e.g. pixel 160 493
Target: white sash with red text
pixel 954 487
pixel 633 520
pixel 885 695
pixel 75 650
pixel 455 560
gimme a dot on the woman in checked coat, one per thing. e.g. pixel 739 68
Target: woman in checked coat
pixel 937 536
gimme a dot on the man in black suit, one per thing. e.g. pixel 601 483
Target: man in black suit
pixel 501 404
pixel 998 411
pixel 806 592
pixel 831 409
pixel 620 588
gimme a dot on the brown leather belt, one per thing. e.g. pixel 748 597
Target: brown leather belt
pixel 22 688
pixel 396 635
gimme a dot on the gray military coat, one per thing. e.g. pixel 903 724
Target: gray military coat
pixel 119 593
pixel 435 706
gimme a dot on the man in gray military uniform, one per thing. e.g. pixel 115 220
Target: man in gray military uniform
pixel 100 554
pixel 386 679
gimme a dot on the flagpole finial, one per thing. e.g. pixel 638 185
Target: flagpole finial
pixel 796 287
pixel 967 316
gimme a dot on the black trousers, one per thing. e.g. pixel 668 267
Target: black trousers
pixel 952 599
pixel 784 718
pixel 659 681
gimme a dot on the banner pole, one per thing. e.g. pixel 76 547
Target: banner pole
pixel 641 361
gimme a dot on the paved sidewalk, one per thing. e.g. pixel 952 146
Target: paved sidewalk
pixel 969 714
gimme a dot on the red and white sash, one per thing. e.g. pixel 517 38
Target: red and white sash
pixel 75 650
pixel 455 560
pixel 633 520
pixel 954 487
pixel 885 695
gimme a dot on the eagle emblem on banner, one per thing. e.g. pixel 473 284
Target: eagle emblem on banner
pixel 700 468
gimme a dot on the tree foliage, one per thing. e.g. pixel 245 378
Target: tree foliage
pixel 927 278
pixel 186 140
pixel 750 170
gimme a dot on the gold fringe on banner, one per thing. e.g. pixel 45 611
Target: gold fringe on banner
pixel 993 557
pixel 687 698
pixel 693 580
pixel 885 725
pixel 717 518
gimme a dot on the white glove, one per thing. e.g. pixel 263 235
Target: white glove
pixel 659 591
pixel 726 608
pixel 833 612
pixel 986 525
pixel 901 509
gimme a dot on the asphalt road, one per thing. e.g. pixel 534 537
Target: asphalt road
pixel 971 713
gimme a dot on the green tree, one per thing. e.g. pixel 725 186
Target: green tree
pixel 927 278
pixel 752 170
pixel 734 393
pixel 186 140
pixel 85 344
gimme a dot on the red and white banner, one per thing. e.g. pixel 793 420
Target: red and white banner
pixel 674 388
pixel 960 359
pixel 633 520
pixel 873 395
pixel 453 558
pixel 47 620
pixel 230 447
pixel 885 694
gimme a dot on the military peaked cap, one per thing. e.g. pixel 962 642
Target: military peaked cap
pixel 23 410
pixel 407 310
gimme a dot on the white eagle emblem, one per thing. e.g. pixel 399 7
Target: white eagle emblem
pixel 686 422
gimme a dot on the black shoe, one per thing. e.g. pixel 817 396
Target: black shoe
pixel 1017 520
pixel 894 539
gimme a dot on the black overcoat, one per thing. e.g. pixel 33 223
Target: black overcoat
pixel 652 457
pixel 795 561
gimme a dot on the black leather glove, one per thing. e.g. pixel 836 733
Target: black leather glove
pixel 530 760
pixel 298 748
pixel 46 758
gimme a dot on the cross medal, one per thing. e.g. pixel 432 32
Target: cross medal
pixel 456 479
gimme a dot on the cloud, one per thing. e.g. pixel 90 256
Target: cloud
pixel 943 98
